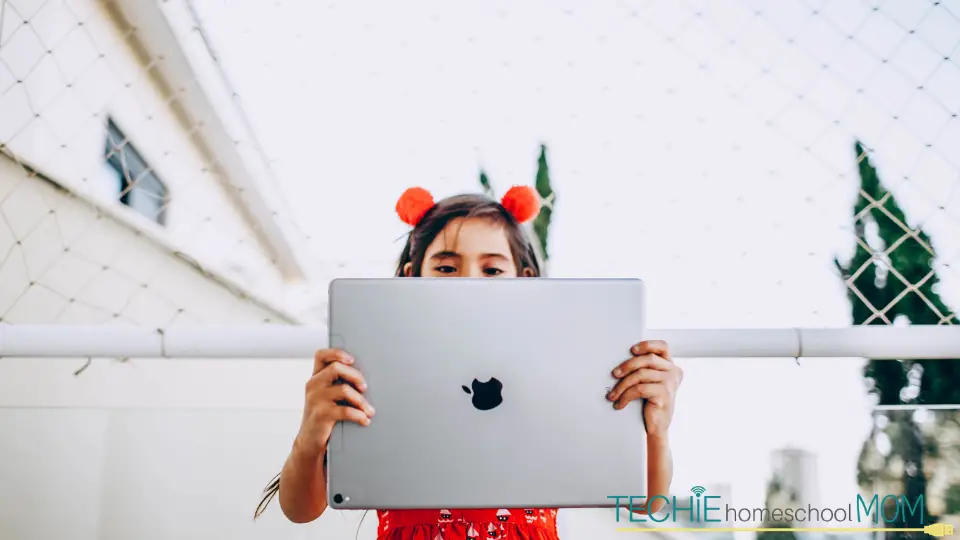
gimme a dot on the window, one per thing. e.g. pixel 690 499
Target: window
pixel 137 184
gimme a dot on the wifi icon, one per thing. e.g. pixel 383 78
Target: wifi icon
pixel 698 490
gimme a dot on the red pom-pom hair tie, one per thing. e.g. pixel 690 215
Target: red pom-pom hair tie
pixel 522 202
pixel 413 204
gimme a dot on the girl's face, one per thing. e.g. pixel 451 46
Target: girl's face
pixel 469 248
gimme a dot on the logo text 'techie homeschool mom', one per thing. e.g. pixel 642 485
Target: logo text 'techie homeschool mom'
pixel 698 508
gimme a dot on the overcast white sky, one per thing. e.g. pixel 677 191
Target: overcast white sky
pixel 661 155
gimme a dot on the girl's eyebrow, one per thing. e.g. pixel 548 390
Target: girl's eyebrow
pixel 445 255
pixel 494 256
pixel 455 255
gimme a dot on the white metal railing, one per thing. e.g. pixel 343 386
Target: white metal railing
pixel 285 341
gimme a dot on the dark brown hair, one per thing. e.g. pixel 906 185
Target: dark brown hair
pixel 470 206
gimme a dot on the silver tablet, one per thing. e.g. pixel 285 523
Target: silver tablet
pixel 489 393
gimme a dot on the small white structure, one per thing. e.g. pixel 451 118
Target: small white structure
pixel 795 472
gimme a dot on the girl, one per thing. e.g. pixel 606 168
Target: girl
pixel 463 236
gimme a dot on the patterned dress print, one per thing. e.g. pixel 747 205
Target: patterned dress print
pixel 492 524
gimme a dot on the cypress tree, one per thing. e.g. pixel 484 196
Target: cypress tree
pixel 541 225
pixel 897 280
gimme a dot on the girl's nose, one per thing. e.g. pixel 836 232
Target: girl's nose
pixel 471 271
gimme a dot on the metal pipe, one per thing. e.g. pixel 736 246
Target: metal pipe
pixel 287 341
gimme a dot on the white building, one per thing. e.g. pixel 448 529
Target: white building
pixel 795 474
pixel 133 192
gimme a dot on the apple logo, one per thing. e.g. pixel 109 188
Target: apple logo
pixel 486 395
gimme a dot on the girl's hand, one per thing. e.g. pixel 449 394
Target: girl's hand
pixel 653 376
pixel 333 393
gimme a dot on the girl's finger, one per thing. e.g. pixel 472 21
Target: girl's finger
pixel 342 372
pixel 347 413
pixel 650 361
pixel 324 357
pixel 639 391
pixel 640 376
pixel 346 395
pixel 654 346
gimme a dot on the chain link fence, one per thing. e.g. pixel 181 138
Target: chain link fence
pixel 794 163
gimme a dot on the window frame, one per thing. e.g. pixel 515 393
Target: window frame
pixel 129 164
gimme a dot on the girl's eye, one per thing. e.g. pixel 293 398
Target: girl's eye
pixel 492 271
pixel 445 269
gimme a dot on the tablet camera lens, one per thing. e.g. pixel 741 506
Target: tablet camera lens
pixel 338 498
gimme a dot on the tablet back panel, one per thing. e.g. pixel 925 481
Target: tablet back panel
pixel 540 433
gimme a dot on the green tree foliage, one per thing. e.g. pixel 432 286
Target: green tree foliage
pixel 773 496
pixel 953 499
pixel 892 275
pixel 777 535
pixel 897 279
pixel 485 184
pixel 541 225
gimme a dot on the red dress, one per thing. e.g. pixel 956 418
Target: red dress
pixel 493 524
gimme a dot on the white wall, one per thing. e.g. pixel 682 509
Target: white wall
pixel 54 120
pixel 88 474
pixel 141 449
pixel 85 456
